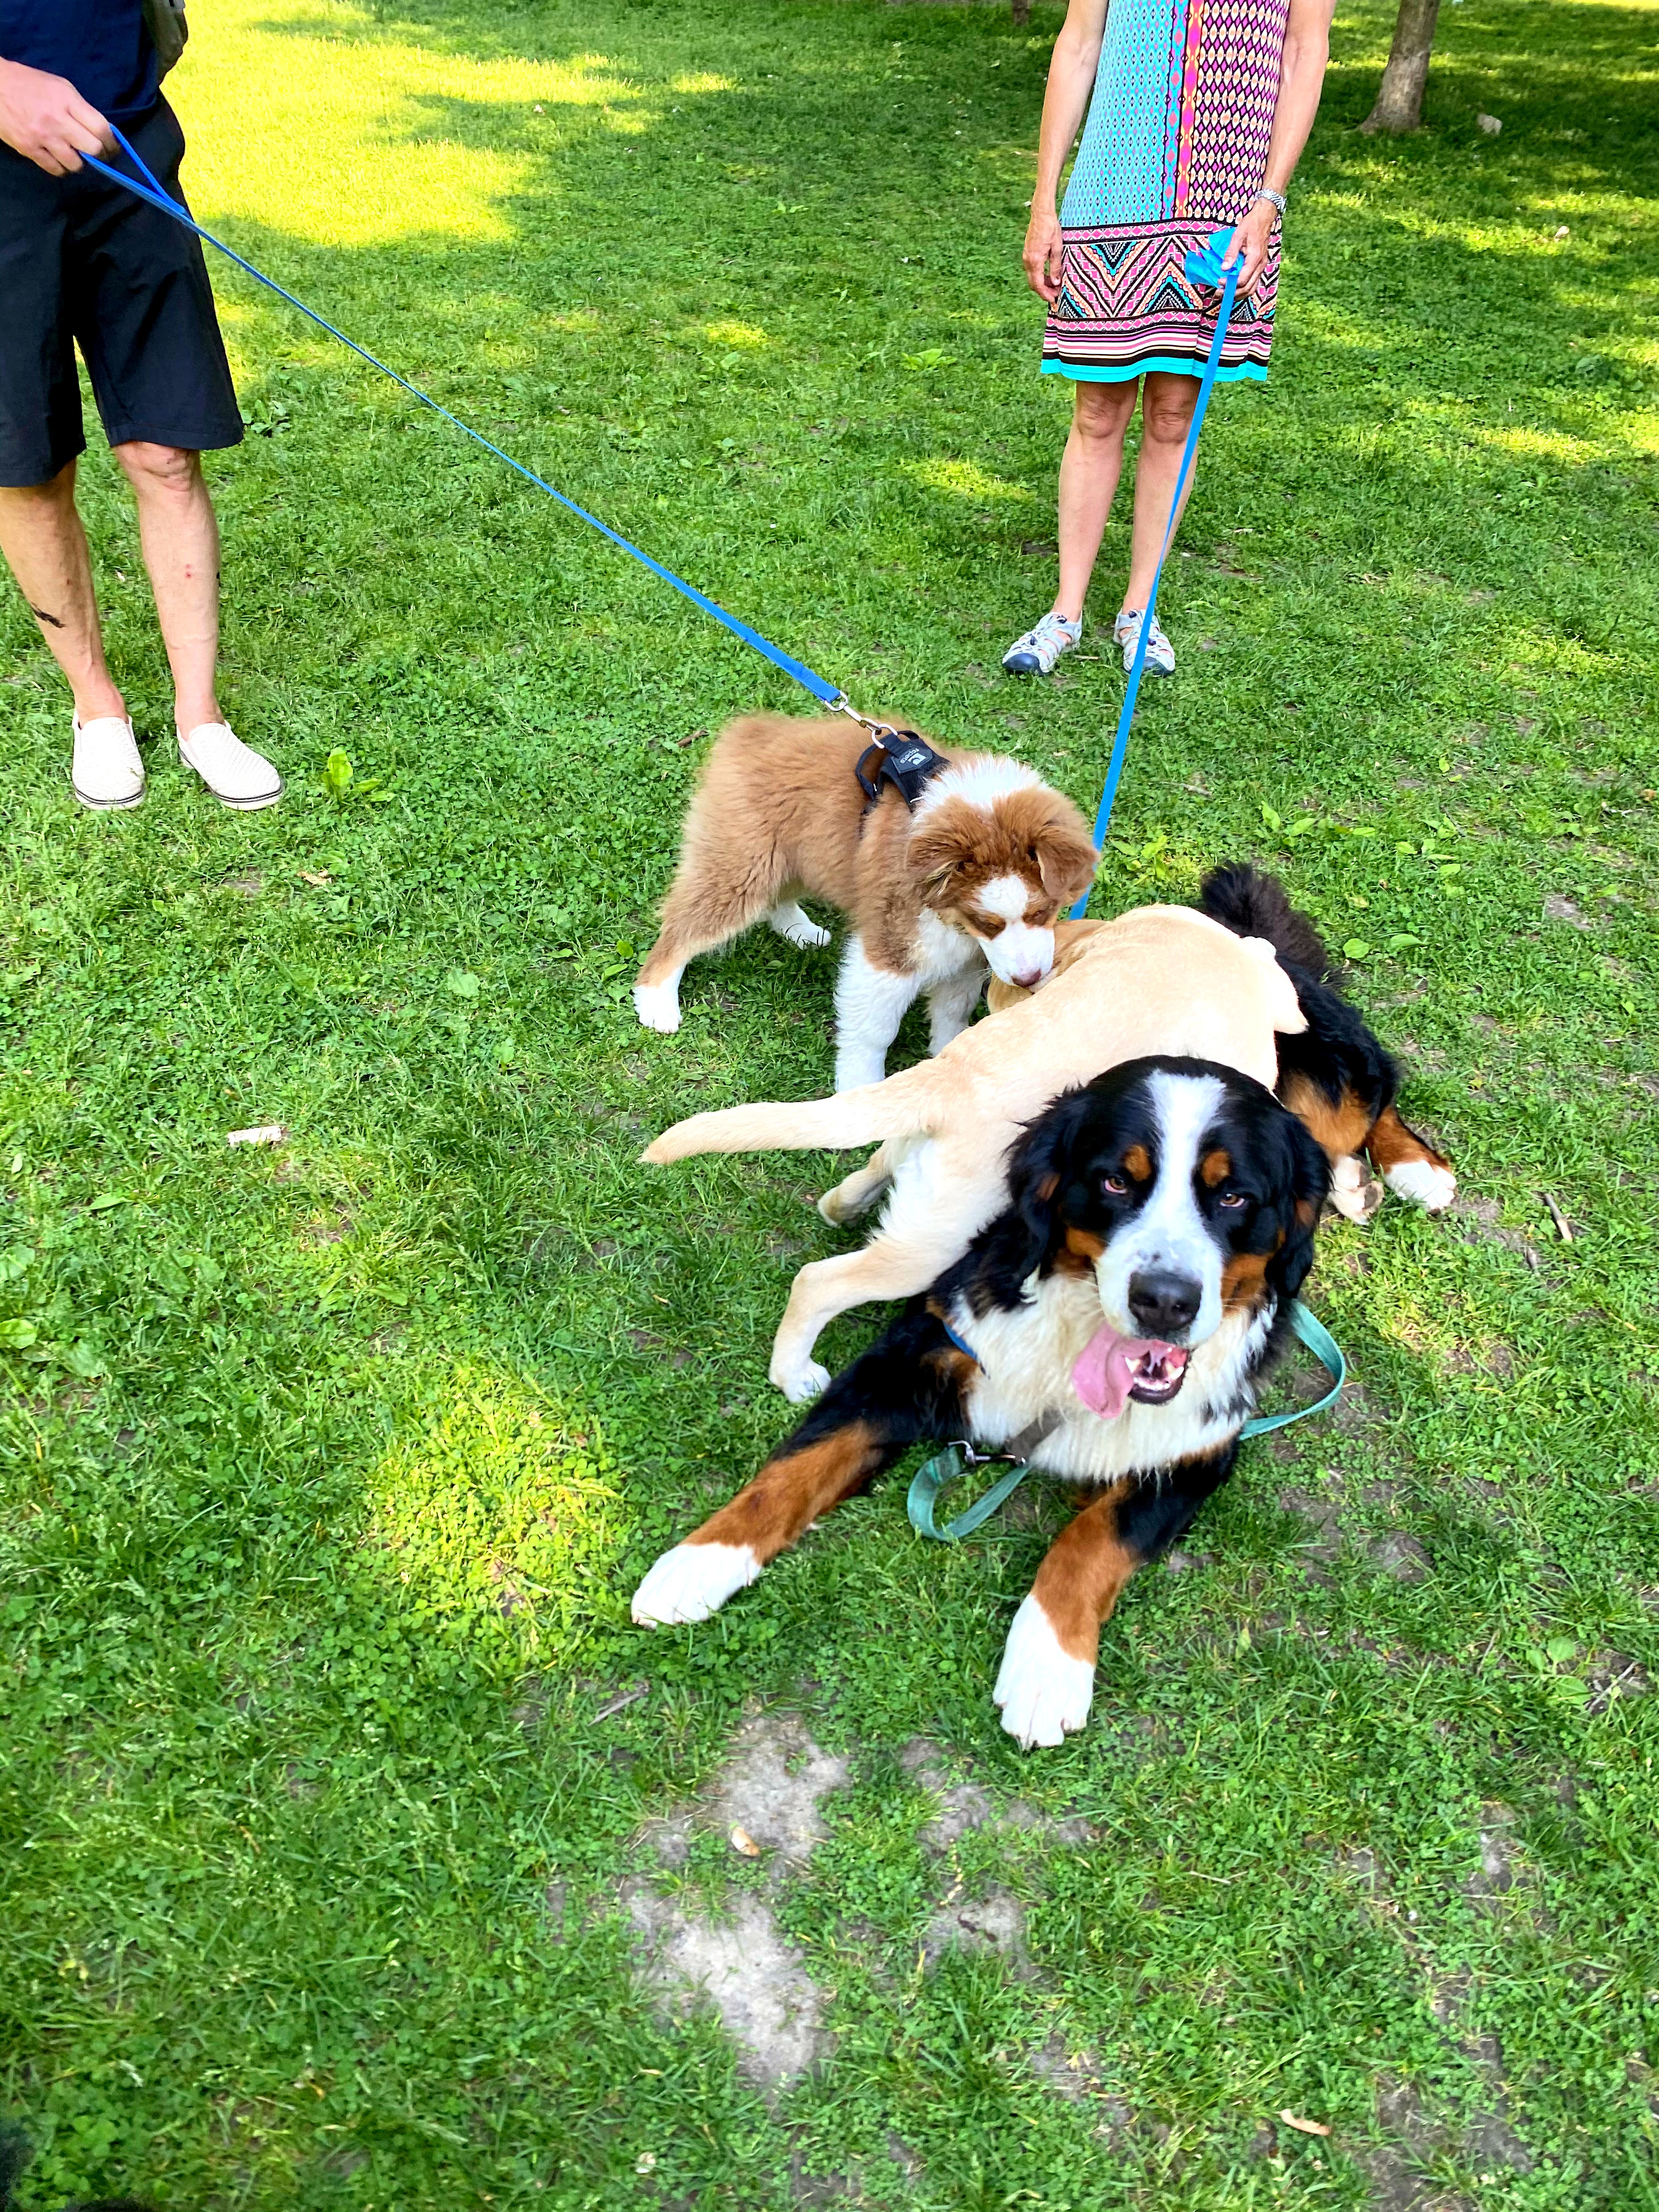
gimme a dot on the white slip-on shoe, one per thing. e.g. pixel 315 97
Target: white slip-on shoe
pixel 233 772
pixel 107 773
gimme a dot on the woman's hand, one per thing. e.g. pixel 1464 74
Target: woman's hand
pixel 1043 249
pixel 1252 238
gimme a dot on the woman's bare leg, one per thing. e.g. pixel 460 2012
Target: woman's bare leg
pixel 1166 417
pixel 1089 471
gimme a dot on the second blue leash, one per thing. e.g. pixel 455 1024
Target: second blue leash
pixel 1204 265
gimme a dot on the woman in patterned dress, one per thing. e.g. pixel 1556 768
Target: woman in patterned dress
pixel 1198 111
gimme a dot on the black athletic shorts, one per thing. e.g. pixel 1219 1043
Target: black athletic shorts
pixel 83 263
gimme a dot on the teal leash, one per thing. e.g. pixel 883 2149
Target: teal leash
pixel 1206 265
pixel 933 1475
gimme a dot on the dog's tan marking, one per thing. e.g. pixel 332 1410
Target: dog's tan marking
pixel 1215 1167
pixel 1244 1279
pixel 1391 1143
pixel 1078 1582
pixel 1138 1163
pixel 793 1490
pixel 1048 1187
pixel 1337 1130
pixel 1083 1244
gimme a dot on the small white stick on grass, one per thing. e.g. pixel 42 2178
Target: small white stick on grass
pixel 268 1132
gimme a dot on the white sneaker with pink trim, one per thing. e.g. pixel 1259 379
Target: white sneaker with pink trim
pixel 107 773
pixel 233 772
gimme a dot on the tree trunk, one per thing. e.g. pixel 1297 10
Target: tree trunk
pixel 1022 11
pixel 1400 98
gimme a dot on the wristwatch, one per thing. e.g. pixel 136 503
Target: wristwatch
pixel 1267 193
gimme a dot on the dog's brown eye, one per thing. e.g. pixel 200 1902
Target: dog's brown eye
pixel 1233 1198
pixel 1114 1186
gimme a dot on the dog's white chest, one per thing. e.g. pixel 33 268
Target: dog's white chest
pixel 941 952
pixel 1027 1357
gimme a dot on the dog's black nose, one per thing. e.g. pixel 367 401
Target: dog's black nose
pixel 1164 1304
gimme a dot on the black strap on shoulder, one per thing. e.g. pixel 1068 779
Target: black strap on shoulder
pixel 902 758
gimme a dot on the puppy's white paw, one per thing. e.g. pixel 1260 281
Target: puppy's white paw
pixel 1043 1692
pixel 1424 1184
pixel 799 1380
pixel 657 1005
pixel 691 1582
pixel 798 928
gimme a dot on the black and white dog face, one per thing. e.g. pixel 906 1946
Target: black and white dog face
pixel 1187 1190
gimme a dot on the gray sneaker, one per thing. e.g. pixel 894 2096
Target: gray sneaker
pixel 1160 653
pixel 1035 654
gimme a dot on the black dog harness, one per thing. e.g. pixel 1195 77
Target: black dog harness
pixel 902 758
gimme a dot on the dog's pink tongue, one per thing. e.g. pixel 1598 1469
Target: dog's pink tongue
pixel 1105 1370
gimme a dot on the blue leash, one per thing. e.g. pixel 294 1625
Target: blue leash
pixel 932 1476
pixel 151 191
pixel 1204 265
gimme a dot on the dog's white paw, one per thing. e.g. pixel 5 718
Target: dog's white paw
pixel 657 1005
pixel 1355 1195
pixel 1424 1184
pixel 1044 1694
pixel 691 1582
pixel 793 924
pixel 799 1380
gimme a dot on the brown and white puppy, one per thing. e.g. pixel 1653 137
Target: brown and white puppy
pixel 1114 1323
pixel 971 879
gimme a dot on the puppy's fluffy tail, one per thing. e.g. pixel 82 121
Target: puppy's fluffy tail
pixel 897 1108
pixel 1253 904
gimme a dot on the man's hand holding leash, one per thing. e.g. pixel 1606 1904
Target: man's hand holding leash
pixel 44 118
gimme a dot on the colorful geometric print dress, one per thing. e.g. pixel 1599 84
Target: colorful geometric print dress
pixel 1173 150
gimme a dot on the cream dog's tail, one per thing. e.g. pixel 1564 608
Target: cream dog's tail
pixel 897 1107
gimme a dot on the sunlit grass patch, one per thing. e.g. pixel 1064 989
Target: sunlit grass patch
pixel 501 1512
pixel 967 480
pixel 363 137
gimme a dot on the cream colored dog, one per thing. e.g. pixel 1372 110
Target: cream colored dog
pixel 1159 980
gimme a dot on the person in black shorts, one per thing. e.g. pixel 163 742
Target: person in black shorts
pixel 84 263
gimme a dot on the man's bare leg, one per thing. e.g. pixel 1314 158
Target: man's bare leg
pixel 45 548
pixel 180 540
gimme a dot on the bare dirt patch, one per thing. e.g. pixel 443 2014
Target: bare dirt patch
pixel 769 1793
pixel 767 2002
pixel 771 1788
pixel 964 1808
pixel 995 1922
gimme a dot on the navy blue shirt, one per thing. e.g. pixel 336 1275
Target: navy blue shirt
pixel 102 47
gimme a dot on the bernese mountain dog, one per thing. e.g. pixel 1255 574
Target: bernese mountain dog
pixel 1112 1325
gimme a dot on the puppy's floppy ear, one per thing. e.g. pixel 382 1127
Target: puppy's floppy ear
pixel 1066 860
pixel 1049 826
pixel 939 844
pixel 1039 1164
pixel 1308 1179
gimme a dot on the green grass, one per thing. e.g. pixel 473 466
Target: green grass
pixel 325 1473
